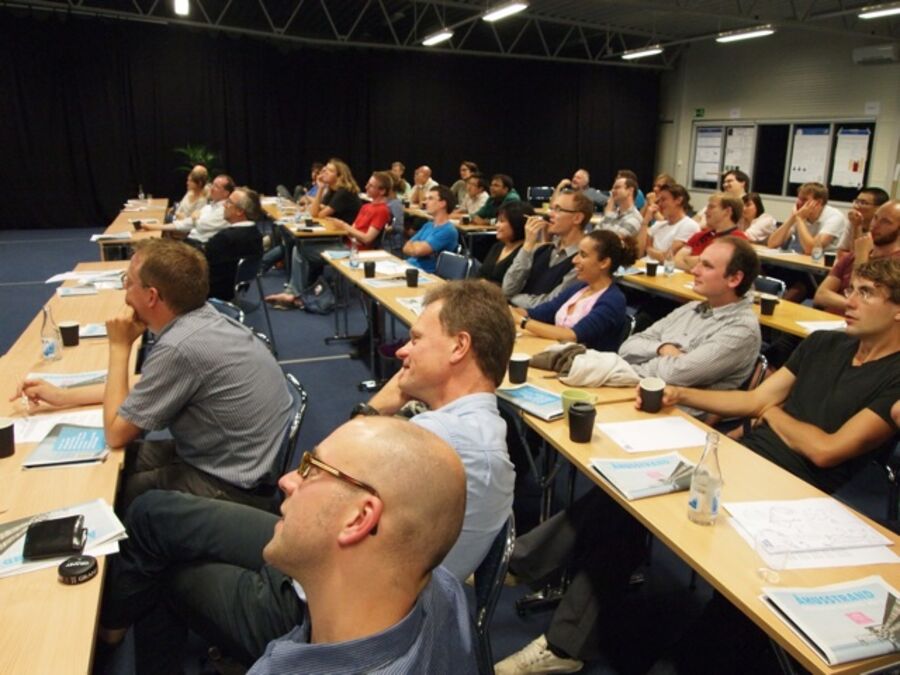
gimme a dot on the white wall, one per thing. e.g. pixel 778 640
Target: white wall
pixel 788 76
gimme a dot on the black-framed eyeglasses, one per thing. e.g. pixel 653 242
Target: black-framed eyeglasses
pixel 309 460
pixel 556 208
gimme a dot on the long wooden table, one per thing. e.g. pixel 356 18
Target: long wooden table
pixel 680 286
pixel 719 553
pixel 152 209
pixel 791 260
pixel 48 627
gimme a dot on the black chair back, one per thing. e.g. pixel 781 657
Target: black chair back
pixel 488 583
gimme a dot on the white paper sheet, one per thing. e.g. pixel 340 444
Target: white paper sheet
pixel 414 305
pixel 815 524
pixel 117 236
pixel 810 150
pixel 66 380
pixel 841 557
pixel 813 326
pixel 669 433
pixel 32 429
pixel 70 291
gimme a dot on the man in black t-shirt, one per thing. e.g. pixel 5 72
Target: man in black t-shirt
pixel 828 409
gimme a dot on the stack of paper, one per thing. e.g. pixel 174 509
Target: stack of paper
pixel 637 478
pixel 67 380
pixel 105 531
pixel 666 433
pixel 115 236
pixel 809 533
pixel 68 444
pixel 34 429
pixel 842 622
pixel 539 402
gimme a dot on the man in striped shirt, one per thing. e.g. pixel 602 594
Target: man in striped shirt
pixel 208 380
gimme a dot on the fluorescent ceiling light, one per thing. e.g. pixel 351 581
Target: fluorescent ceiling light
pixel 504 11
pixel 643 52
pixel 746 34
pixel 879 11
pixel 182 8
pixel 437 38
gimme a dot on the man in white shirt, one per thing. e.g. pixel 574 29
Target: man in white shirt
pixel 423 182
pixel 656 239
pixel 815 224
pixel 202 226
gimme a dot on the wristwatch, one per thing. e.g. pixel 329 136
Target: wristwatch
pixel 363 409
pixel 523 322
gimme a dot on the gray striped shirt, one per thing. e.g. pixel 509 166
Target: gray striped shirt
pixel 221 394
pixel 720 345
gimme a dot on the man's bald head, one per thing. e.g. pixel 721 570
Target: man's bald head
pixel 422 174
pixel 415 517
pixel 422 483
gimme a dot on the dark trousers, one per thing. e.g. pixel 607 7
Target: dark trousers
pixel 194 562
pixel 600 544
pixel 155 465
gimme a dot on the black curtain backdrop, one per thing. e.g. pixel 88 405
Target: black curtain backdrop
pixel 92 108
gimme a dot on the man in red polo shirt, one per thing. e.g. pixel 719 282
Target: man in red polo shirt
pixel 722 215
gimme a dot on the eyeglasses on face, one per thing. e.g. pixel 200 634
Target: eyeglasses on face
pixel 556 208
pixel 866 293
pixel 309 460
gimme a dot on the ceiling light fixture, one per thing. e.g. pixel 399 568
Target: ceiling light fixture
pixel 745 34
pixel 504 11
pixel 879 11
pixel 643 52
pixel 182 7
pixel 437 38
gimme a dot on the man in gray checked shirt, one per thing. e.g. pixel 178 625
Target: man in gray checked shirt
pixel 208 379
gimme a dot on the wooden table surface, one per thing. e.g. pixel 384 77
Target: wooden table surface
pixel 155 208
pixel 718 552
pixel 680 286
pixel 48 627
pixel 791 259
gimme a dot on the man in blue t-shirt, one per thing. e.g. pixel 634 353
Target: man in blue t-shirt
pixel 438 234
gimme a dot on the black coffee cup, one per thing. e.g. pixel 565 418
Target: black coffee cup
pixel 830 258
pixel 581 422
pixel 651 268
pixel 309 222
pixel 136 224
pixel 412 277
pixel 7 437
pixel 767 304
pixel 466 220
pixel 652 394
pixel 369 268
pixel 518 367
pixel 69 332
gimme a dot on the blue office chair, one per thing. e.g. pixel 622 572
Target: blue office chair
pixel 474 268
pixel 229 309
pixel 769 285
pixel 488 583
pixel 538 194
pixel 247 273
pixel 451 266
pixel 627 328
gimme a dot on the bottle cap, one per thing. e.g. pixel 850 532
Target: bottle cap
pixel 77 569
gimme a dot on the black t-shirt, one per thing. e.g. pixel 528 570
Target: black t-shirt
pixel 830 390
pixel 346 204
pixel 493 269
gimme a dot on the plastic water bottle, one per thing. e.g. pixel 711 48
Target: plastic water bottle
pixel 354 254
pixel 669 263
pixel 706 484
pixel 817 254
pixel 51 340
pixel 141 192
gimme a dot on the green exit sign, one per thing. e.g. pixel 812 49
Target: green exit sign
pixel 699 112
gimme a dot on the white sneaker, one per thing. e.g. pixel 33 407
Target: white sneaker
pixel 536 658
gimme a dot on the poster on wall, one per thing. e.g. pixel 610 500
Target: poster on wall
pixel 809 155
pixel 708 154
pixel 740 144
pixel 850 156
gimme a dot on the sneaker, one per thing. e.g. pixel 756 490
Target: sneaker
pixel 536 658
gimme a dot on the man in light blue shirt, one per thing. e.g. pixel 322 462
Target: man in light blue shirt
pixel 437 235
